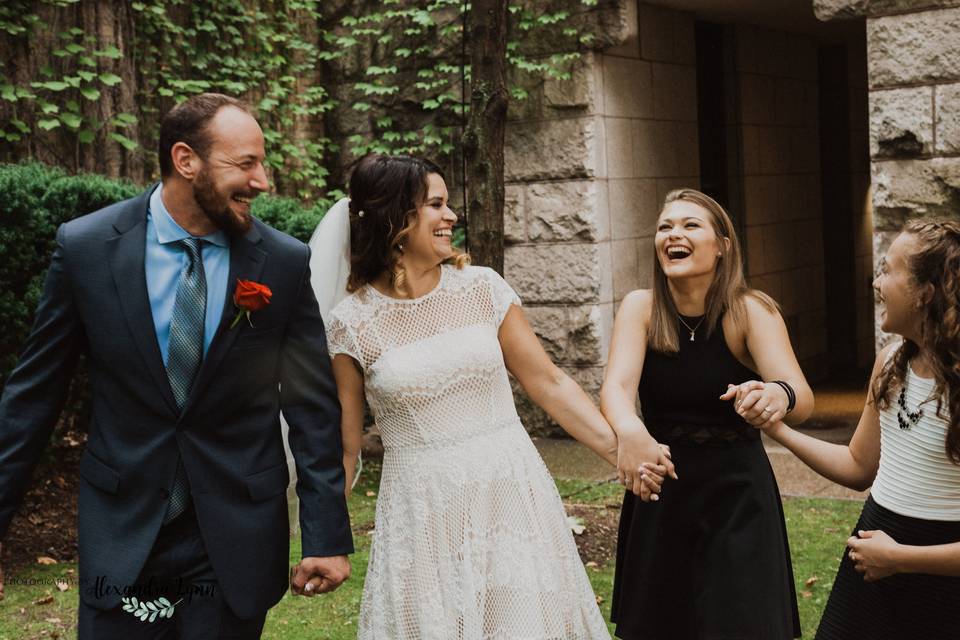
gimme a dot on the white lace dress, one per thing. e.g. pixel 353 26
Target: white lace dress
pixel 471 538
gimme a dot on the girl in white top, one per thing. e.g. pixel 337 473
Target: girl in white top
pixel 900 577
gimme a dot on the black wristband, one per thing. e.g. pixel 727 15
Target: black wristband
pixel 791 395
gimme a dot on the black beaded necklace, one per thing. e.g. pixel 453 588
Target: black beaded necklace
pixel 905 417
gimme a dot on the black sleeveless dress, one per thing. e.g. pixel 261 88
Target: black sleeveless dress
pixel 710 559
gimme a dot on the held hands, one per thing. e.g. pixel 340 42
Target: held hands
pixel 873 554
pixel 642 465
pixel 761 404
pixel 318 575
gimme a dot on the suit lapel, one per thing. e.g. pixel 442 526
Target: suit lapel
pixel 246 263
pixel 127 264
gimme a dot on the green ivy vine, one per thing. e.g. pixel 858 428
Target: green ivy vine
pixel 402 66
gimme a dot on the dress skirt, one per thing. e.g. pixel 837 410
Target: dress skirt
pixel 899 606
pixel 710 559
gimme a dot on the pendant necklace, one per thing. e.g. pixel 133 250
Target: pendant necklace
pixel 692 330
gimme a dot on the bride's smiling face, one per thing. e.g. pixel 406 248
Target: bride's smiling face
pixel 431 237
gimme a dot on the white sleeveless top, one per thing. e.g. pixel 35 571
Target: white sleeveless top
pixel 916 478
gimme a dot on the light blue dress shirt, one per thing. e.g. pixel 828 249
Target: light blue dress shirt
pixel 165 259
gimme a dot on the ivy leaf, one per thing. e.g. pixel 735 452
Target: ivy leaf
pixel 21 125
pixel 52 85
pixel 48 107
pixel 87 61
pixel 85 137
pixel 124 119
pixel 7 93
pixel 267 104
pixel 112 52
pixel 72 120
pixel 90 93
pixel 74 48
pixel 86 75
pixel 124 141
pixel 110 79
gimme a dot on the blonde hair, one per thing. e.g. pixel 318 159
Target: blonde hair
pixel 726 292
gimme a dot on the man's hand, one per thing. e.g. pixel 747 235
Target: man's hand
pixel 319 575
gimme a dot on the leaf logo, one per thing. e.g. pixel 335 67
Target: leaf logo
pixel 149 611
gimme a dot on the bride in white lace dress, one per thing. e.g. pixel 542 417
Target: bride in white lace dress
pixel 471 539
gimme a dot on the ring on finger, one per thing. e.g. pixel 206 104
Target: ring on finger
pixel 767 409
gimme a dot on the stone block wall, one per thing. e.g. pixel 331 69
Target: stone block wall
pixel 588 162
pixel 913 62
pixel 782 219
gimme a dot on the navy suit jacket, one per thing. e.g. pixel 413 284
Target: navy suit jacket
pixel 95 302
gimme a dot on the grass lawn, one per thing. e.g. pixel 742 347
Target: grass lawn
pixel 817 529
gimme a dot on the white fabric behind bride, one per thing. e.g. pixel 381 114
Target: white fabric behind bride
pixel 329 268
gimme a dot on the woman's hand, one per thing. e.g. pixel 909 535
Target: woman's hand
pixel 762 404
pixel 642 464
pixel 874 554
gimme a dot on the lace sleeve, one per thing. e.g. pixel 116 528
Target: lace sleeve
pixel 341 340
pixel 502 295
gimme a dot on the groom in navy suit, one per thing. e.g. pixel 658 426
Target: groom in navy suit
pixel 182 493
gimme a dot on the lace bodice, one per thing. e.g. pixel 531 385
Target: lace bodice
pixel 430 360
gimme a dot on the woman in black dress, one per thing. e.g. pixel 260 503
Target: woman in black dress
pixel 709 557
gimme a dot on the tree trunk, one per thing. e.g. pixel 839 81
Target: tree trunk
pixel 483 138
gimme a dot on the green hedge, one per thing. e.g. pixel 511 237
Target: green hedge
pixel 35 199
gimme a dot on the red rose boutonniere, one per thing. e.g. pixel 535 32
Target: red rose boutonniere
pixel 248 297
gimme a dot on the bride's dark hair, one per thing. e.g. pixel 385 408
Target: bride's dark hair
pixel 388 190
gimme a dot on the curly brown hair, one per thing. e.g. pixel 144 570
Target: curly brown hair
pixel 388 190
pixel 936 262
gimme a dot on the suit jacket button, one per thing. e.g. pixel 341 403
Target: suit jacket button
pixel 164 494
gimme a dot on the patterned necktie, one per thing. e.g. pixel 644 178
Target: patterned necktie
pixel 185 352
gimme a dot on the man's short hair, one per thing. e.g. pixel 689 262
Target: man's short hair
pixel 187 122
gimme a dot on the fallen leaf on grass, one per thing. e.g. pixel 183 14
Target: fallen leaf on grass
pixel 599 600
pixel 35 520
pixel 62 585
pixel 806 594
pixel 591 564
pixel 45 560
pixel 53 620
pixel 830 529
pixel 60 482
pixel 370 494
pixel 812 580
pixel 44 600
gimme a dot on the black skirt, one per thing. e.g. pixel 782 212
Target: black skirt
pixel 900 606
pixel 710 559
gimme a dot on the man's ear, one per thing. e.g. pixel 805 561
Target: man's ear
pixel 926 293
pixel 186 162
